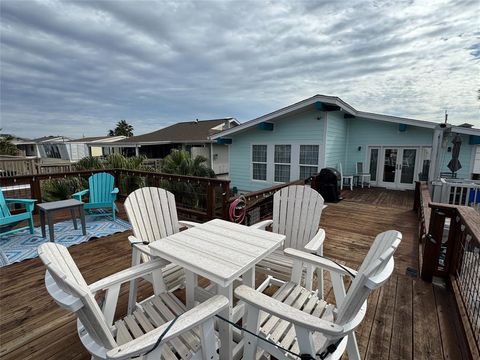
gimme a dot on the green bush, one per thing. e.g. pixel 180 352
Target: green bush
pixel 62 189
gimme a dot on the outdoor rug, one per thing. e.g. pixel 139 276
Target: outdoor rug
pixel 23 245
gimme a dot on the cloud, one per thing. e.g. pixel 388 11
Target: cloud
pixel 78 67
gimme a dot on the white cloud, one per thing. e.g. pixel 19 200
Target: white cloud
pixel 75 68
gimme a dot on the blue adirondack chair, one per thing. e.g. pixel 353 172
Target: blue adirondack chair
pixel 101 194
pixel 9 221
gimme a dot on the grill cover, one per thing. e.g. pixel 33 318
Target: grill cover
pixel 327 184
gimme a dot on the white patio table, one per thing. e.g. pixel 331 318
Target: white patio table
pixel 220 251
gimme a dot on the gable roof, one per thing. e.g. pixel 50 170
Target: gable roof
pixel 324 100
pixel 94 139
pixel 51 138
pixel 182 132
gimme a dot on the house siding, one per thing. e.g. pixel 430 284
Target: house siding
pixel 299 129
pixel 364 133
pixel 336 141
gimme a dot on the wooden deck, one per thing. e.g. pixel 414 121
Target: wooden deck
pixel 406 319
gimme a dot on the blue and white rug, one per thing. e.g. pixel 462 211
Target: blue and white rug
pixel 23 245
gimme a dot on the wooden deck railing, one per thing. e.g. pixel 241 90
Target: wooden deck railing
pixel 451 250
pixel 196 197
pixel 259 204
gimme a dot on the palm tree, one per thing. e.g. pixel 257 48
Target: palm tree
pixel 180 162
pixel 122 129
pixel 6 145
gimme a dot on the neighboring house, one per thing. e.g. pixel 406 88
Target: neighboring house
pixel 324 131
pixel 87 146
pixel 192 136
pixel 52 147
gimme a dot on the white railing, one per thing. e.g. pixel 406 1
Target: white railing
pixel 457 192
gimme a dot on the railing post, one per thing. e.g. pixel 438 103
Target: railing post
pixel 433 243
pixel 210 201
pixel 416 198
pixel 36 190
pixel 225 197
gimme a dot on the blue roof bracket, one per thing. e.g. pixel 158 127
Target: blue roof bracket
pixel 223 141
pixel 265 126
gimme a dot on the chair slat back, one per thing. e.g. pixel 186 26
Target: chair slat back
pixel 359 167
pixel 101 186
pixel 4 210
pixel 374 272
pixel 69 284
pixel 340 169
pixel 296 214
pixel 152 213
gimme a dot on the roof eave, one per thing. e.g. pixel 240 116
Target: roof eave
pixel 333 100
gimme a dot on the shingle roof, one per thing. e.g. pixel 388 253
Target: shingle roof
pixel 194 131
pixel 87 139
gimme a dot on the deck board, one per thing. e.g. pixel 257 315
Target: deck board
pixel 405 319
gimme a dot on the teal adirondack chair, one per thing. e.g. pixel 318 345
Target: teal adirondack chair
pixel 9 221
pixel 101 194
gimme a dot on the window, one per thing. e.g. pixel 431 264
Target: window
pixel 52 151
pixel 259 162
pixel 282 163
pixel 373 164
pixel 308 160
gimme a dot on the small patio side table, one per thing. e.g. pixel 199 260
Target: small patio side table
pixel 50 207
pixel 220 251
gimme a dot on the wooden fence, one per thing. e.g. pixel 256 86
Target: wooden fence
pixel 450 235
pixel 196 197
pixel 25 166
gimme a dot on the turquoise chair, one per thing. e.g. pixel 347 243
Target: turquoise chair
pixel 9 221
pixel 101 194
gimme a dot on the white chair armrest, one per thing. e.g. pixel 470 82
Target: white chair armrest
pixel 185 322
pixel 317 261
pixel 262 225
pixel 140 246
pixel 126 275
pixel 286 312
pixel 316 243
pixel 188 224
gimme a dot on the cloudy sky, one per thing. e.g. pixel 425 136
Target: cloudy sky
pixel 76 67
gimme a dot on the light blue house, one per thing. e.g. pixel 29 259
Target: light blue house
pixel 324 131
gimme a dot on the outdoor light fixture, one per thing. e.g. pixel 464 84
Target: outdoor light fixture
pixel 359 148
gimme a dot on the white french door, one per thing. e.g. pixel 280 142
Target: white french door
pixel 397 167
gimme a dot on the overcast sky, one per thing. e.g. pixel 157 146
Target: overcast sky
pixel 76 68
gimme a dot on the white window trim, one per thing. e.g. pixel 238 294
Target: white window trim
pixel 258 162
pixel 308 165
pixel 289 164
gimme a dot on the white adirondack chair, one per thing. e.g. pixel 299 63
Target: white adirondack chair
pixel 297 320
pixel 296 214
pixel 363 177
pixel 136 334
pixel 153 214
pixel 345 178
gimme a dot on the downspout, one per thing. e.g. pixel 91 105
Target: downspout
pixel 211 155
pixel 434 170
pixel 347 143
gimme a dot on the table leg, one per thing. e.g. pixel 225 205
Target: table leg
pixel 50 226
pixel 190 285
pixel 74 218
pixel 42 223
pixel 82 220
pixel 224 328
pixel 249 277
